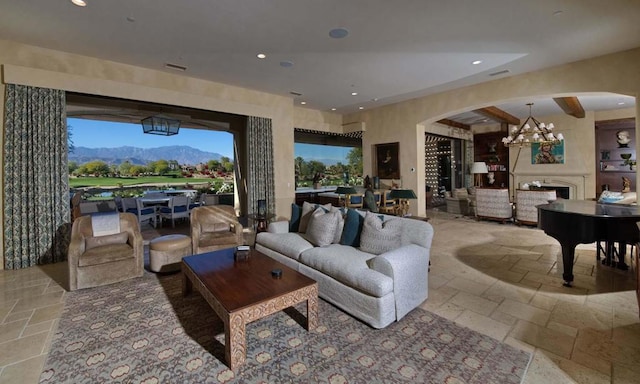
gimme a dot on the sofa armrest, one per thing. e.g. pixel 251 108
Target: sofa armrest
pixel 408 266
pixel 278 227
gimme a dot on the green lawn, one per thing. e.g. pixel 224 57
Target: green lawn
pixel 80 182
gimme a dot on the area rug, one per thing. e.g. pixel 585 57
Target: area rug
pixel 144 331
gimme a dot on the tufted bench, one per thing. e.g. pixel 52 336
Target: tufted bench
pixel 166 252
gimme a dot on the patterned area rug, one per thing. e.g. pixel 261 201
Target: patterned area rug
pixel 144 331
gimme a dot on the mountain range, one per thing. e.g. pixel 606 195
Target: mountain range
pixel 183 154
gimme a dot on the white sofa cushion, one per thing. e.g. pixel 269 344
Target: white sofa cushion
pixel 307 211
pixel 287 244
pixel 349 266
pixel 378 237
pixel 321 229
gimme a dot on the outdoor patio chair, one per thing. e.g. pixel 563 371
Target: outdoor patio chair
pixel 178 208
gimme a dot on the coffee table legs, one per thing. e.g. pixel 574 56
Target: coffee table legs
pixel 235 338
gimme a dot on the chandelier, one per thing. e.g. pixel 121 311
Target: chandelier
pixel 525 135
pixel 160 125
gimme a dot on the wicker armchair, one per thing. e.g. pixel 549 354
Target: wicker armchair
pixel 99 260
pixel 214 227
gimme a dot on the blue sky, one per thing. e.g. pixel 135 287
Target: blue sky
pixel 103 134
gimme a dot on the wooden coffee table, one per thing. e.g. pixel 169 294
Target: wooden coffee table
pixel 243 291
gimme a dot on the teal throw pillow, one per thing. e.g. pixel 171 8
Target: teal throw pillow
pixel 352 227
pixel 294 222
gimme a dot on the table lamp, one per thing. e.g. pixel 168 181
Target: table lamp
pixel 403 196
pixel 345 190
pixel 478 168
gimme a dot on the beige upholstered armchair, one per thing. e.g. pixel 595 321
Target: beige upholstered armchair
pixel 214 227
pixel 526 201
pixel 99 260
pixel 493 204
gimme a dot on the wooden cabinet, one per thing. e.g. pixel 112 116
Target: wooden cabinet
pixel 615 154
pixel 488 147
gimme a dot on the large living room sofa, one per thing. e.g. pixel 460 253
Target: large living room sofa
pixel 373 266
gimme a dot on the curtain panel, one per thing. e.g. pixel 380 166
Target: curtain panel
pixel 36 183
pixel 260 178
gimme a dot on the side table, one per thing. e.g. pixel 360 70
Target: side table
pixel 261 221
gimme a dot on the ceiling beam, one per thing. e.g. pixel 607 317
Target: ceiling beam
pixel 498 115
pixel 454 124
pixel 571 106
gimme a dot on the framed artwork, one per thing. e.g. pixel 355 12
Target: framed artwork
pixel 388 160
pixel 547 153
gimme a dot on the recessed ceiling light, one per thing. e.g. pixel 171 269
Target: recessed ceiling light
pixel 303 102
pixel 286 64
pixel 338 33
pixel 558 13
pixel 131 19
pixel 79 3
pixel 354 93
pixel 360 107
pixel 261 56
pixel 333 109
pixel 621 103
pixel 476 62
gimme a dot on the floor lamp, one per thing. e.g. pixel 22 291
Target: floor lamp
pixel 478 169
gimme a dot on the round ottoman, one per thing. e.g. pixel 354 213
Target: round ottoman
pixel 166 252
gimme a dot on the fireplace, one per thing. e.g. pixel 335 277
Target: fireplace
pixel 568 185
pixel 562 192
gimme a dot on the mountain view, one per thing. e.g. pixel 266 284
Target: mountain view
pixel 140 156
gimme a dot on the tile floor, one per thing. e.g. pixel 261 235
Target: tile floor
pixel 500 280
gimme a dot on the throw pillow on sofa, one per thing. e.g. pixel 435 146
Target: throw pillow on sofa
pixel 353 222
pixel 379 236
pixel 322 226
pixel 294 222
pixel 307 211
pixel 340 226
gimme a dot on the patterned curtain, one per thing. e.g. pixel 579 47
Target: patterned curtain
pixel 36 185
pixel 260 184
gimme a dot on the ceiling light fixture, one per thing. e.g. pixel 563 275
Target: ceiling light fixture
pixel 476 62
pixel 333 109
pixel 338 33
pixel 621 103
pixel 354 93
pixel 160 125
pixel 525 135
pixel 286 64
pixel 303 102
pixel 79 3
pixel 261 56
pixel 360 107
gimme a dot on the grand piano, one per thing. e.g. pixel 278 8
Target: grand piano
pixel 574 222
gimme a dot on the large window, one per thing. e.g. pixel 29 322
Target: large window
pixel 327 159
pixel 107 155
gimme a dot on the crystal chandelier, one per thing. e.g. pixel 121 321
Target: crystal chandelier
pixel 525 135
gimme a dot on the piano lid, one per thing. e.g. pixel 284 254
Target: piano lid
pixel 591 208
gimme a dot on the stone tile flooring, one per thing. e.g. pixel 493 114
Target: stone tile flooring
pixel 498 279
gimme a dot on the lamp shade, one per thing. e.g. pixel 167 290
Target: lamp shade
pixel 402 194
pixel 345 190
pixel 479 167
pixel 159 125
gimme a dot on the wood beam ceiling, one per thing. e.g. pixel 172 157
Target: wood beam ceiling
pixel 571 106
pixel 498 115
pixel 454 124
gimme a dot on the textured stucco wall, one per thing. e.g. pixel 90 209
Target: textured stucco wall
pixel 405 122
pixel 617 73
